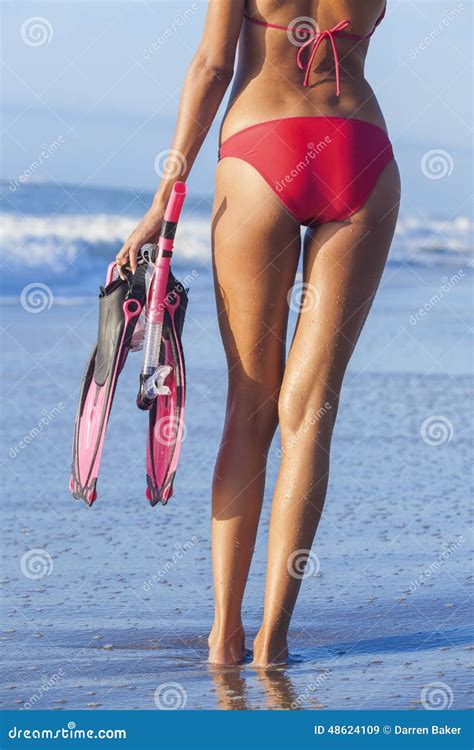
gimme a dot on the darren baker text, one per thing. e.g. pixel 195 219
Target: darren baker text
pixel 434 729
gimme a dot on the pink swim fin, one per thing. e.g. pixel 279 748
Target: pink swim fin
pixel 120 305
pixel 166 422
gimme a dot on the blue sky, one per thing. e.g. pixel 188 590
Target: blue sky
pixel 93 85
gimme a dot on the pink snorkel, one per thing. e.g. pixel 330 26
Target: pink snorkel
pixel 152 374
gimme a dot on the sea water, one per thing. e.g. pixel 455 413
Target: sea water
pixel 111 606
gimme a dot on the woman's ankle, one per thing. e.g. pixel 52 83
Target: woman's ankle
pixel 226 644
pixel 270 646
pixel 223 631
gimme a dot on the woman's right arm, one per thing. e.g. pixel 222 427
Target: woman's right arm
pixel 206 82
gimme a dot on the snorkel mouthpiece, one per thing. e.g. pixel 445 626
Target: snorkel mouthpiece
pixel 153 386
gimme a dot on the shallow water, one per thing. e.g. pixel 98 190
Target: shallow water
pixel 119 616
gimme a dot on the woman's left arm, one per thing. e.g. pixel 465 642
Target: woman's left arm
pixel 207 80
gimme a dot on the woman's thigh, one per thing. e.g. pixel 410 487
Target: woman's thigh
pixel 343 265
pixel 256 247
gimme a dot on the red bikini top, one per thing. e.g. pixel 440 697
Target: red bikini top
pixel 314 40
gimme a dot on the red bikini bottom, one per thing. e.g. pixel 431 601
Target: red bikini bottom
pixel 321 168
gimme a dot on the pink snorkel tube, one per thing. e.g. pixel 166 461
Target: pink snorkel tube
pixel 152 374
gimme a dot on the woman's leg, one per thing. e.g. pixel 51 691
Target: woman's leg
pixel 256 250
pixel 343 264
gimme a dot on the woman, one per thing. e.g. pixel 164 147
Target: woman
pixel 303 142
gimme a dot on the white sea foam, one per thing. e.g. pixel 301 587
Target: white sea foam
pixel 60 240
pixel 85 240
pixel 434 241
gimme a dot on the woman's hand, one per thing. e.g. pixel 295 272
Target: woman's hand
pixel 148 230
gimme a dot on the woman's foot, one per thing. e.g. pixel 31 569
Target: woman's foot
pixel 227 647
pixel 269 650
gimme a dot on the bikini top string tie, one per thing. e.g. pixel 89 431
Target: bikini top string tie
pixel 314 41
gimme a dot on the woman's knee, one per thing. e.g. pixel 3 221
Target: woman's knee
pixel 252 408
pixel 305 413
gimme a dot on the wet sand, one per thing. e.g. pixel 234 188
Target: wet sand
pixel 114 609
